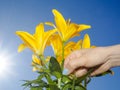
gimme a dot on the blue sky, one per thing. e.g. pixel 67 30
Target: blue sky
pixel 102 15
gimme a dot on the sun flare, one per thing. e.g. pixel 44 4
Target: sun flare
pixel 5 64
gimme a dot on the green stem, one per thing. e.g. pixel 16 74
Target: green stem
pixel 62 63
pixel 85 83
pixel 63 50
pixel 59 83
pixel 63 46
pixel 43 61
pixel 73 84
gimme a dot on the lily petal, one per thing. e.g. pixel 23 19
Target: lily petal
pixel 69 45
pixel 50 24
pixel 28 39
pixel 78 45
pixel 56 44
pixel 86 41
pixel 46 37
pixel 83 27
pixel 70 32
pixel 60 21
pixel 39 32
pixel 21 47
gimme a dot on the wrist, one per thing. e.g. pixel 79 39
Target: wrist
pixel 114 50
pixel 114 55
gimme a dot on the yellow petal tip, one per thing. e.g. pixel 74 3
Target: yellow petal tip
pixel 53 10
pixel 21 47
pixel 86 41
pixel 89 26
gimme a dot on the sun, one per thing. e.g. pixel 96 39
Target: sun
pixel 6 64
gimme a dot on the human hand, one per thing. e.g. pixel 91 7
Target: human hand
pixel 99 58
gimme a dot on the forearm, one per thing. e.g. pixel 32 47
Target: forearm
pixel 114 55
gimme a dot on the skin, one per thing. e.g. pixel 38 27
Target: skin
pixel 99 58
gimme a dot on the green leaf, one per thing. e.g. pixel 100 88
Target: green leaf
pixel 54 67
pixel 53 87
pixel 35 84
pixel 66 79
pixel 48 77
pixel 37 81
pixel 27 83
pixel 80 79
pixel 57 74
pixel 36 88
pixel 41 76
pixel 45 75
pixel 80 87
pixel 67 86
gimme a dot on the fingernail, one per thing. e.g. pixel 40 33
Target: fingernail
pixel 65 71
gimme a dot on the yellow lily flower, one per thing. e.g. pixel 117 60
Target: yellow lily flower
pixel 36 60
pixel 56 44
pixel 36 42
pixel 66 29
pixel 37 63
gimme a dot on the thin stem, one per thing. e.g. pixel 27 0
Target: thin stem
pixel 85 83
pixel 43 61
pixel 63 50
pixel 73 84
pixel 62 63
pixel 63 46
pixel 59 83
pixel 85 80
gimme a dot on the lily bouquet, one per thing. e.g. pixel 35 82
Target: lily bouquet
pixel 50 69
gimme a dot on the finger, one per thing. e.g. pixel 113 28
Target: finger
pixel 115 62
pixel 73 55
pixel 103 68
pixel 81 72
pixel 76 63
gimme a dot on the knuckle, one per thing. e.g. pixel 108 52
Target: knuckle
pixel 71 64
